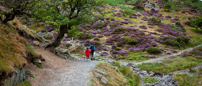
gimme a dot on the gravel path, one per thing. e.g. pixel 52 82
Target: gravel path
pixel 60 72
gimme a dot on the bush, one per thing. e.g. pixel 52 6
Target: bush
pixel 114 24
pixel 83 36
pixel 153 50
pixel 197 22
pixel 154 21
pixel 138 7
pixel 118 29
pixel 97 38
pixel 128 13
pixel 167 7
pixel 178 24
pixel 99 25
pixel 131 41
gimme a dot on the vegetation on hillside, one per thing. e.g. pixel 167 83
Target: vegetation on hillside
pixel 12 52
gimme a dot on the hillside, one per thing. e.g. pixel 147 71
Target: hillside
pixel 137 42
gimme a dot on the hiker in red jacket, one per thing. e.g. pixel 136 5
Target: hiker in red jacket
pixel 88 54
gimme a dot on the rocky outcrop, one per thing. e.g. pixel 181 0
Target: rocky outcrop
pixel 16 77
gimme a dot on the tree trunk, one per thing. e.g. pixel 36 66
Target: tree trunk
pixel 56 42
pixel 9 17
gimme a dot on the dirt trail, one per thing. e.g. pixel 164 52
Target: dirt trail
pixel 60 72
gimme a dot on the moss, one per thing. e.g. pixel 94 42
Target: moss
pixel 153 50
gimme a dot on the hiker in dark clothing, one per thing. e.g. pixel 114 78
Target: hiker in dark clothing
pixel 92 48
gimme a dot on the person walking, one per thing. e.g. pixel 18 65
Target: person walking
pixel 87 54
pixel 92 48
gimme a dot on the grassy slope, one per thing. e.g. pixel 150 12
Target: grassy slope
pixel 115 78
pixel 186 80
pixel 12 50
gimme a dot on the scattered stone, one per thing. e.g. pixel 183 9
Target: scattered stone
pixel 38 61
pixel 104 80
pixel 98 75
pixel 101 72
pixel 36 43
pixel 41 34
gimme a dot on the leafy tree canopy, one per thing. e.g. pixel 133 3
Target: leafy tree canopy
pixel 62 12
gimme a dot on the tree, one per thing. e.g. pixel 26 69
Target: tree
pixel 65 14
pixel 16 7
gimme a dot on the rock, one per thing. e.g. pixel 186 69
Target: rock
pixel 199 83
pixel 104 80
pixel 62 51
pixel 97 75
pixel 101 72
pixel 116 68
pixel 151 73
pixel 36 43
pixel 149 6
pixel 157 8
pixel 41 34
pixel 38 61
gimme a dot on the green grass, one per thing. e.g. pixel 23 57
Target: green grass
pixel 132 78
pixel 195 40
pixel 136 55
pixel 186 80
pixel 150 79
pixel 25 83
pixel 171 65
pixel 115 77
pixel 39 66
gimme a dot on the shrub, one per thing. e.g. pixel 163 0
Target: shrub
pixel 131 41
pixel 179 24
pixel 153 50
pixel 167 7
pixel 138 7
pixel 128 13
pixel 97 38
pixel 114 24
pixel 154 20
pixel 83 36
pixel 197 22
pixel 99 25
pixel 118 29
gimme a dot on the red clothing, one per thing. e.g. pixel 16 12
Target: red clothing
pixel 88 53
